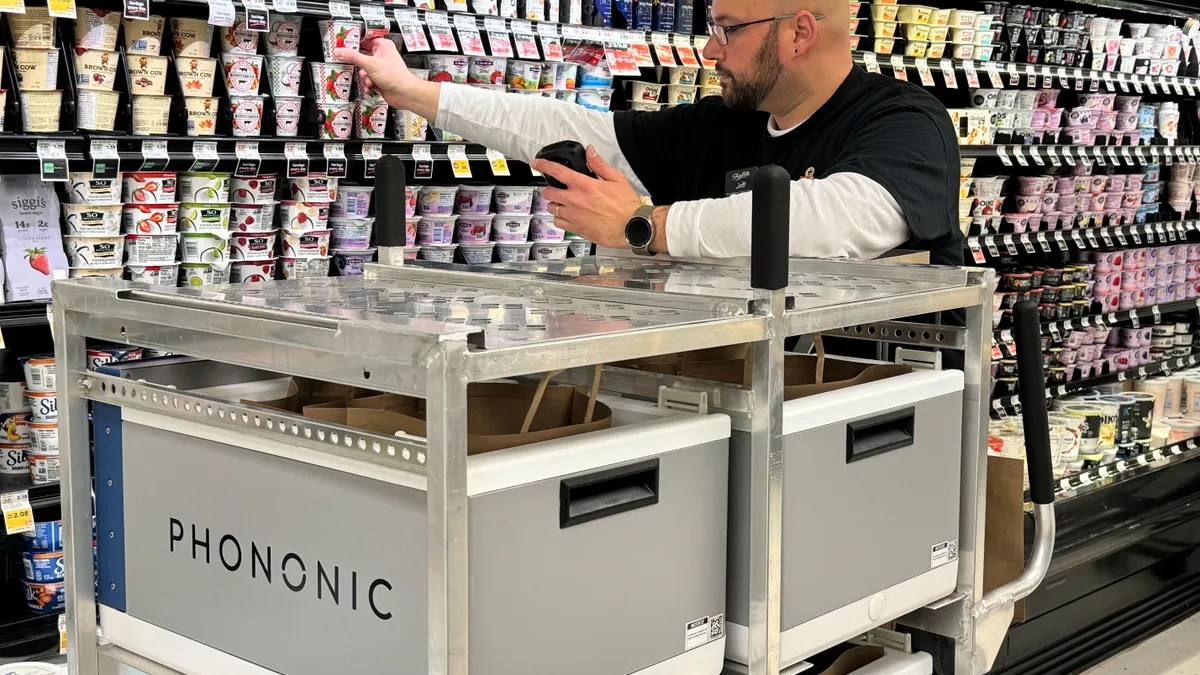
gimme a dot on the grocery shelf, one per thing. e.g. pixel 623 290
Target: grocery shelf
pixel 27 634
pixel 1056 155
pixel 1003 337
pixel 39 495
pixel 32 313
pixel 1081 239
pixel 1004 406
pixel 24 147
pixel 1101 477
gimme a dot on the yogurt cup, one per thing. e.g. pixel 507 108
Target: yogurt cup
pixel 287 115
pixel 284 73
pixel 96 28
pixel 37 69
pixel 478 253
pixel 192 37
pixel 144 36
pixel 409 126
pixel 150 115
pixel 196 75
pixel 39 372
pixel 95 251
pixel 85 188
pixel 542 229
pixel 579 248
pixel 339 34
pixel 548 250
pixel 339 120
pixel 43 469
pixel 303 216
pixel 46 536
pixel 202 115
pixel 512 199
pixel 247 115
pixel 45 598
pixel 513 251
pixel 486 70
pixel 204 247
pixel 436 230
pixel 439 253
pixel 104 354
pixel 96 110
pixel 12 459
pixel 351 233
pixel 525 75
pixel 242 73
pixel 684 75
pixel 410 231
pixel 474 199
pixel 86 220
pixel 315 187
pixel 44 437
pixel 601 99
pixel 150 249
pixel 351 262
pixel 251 271
pixel 333 82
pixel 371 116
pixel 539 204
pixel 283 38
pixel 14 427
pixel 452 68
pixel 43 406
pixel 204 187
pixel 312 244
pixel 40 110
pixel 150 219
pixel 304 268
pixel 12 396
pixel 203 217
pixel 94 272
pixel 96 69
pixel 508 227
pixel 150 187
pixel 203 274
pixel 158 275
pixel 595 78
pixel 32 30
pixel 678 94
pixel 256 246
pixel 646 92
pixel 353 201
pixel 645 106
pixel 473 228
pixel 252 217
pixel 434 200
pixel 238 38
pixel 410 200
pixel 258 189
pixel 147 74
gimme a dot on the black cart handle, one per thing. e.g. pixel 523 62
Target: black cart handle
pixel 771 223
pixel 1031 380
pixel 390 201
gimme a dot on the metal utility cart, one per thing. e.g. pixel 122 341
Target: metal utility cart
pixel 428 333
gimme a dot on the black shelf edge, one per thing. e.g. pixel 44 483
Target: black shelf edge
pixel 1004 406
pixel 27 629
pixel 31 313
pixel 1082 238
pixel 1101 477
pixel 1004 335
pixel 39 495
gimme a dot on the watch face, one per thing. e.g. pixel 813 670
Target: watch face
pixel 638 232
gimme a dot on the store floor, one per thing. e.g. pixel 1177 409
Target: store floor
pixel 1173 652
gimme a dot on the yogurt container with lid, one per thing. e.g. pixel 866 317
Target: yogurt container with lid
pixel 315 187
pixel 203 274
pixel 96 69
pixel 150 187
pixel 312 244
pixel 43 469
pixel 43 565
pixel 196 75
pixel 111 352
pixel 150 114
pixel 44 437
pixel 12 459
pixel 256 246
pixel 678 94
pixel 350 262
pixel 203 217
pixel 33 29
pixel 150 219
pixel 542 229
pixel 285 73
pixel 452 68
pixel 45 597
pixel 253 217
pixel 486 70
pixel 144 36
pixel 684 75
pixel 204 247
pixel 252 271
pixel 473 228
pixel 148 74
pixel 599 77
pixel 371 117
pixel 14 426
pixel 304 268
pixel 94 272
pixel 539 205
pixel 204 188
pixel 601 99
pixel 12 397
pixel 39 373
pixel 46 536
pixel 474 199
pixel 440 253
pixel 512 199
pixel 334 81
pixel 85 188
pixel 339 120
pixel 477 253
pixel 96 28
pixel 580 248
pixel 193 37
pixel 247 115
pixel 410 231
pixel 41 110
pixel 340 34
pixel 287 115
pixel 283 38
pixel 242 73
pixel 37 69
pixel 303 216
pixel 436 230
pixel 86 220
pixel 95 251
pixel 526 75
pixel 158 275
pixel 353 201
pixel 351 233
pixel 151 249
pixel 254 189
pixel 512 251
pixel 43 407
pixel 436 200
pixel 96 110
pixel 238 38
pixel 506 228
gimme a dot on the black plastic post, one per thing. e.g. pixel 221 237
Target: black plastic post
pixel 389 201
pixel 1031 380
pixel 771 221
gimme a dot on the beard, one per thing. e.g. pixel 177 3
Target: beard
pixel 751 91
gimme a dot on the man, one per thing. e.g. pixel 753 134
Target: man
pixel 874 162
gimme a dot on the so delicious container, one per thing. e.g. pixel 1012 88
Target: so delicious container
pixel 304 268
pixel 205 188
pixel 251 271
pixel 151 249
pixel 158 275
pixel 203 217
pixel 95 251
pixel 86 220
pixel 254 245
pixel 203 274
pixel 152 187
pixel 252 217
pixel 150 219
pixel 85 188
pixel 204 247
pixel 313 244
pixel 315 187
pixel 255 189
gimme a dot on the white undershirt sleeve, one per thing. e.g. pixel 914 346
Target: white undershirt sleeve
pixel 520 125
pixel 846 215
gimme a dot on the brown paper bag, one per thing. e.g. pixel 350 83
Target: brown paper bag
pixel 303 391
pixel 336 412
pixel 1004 531
pixel 853 659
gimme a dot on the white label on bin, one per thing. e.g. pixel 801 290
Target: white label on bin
pixel 699 632
pixel 943 553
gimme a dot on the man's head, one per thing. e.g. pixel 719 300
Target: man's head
pixel 779 51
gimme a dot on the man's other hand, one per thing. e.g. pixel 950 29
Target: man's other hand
pixel 596 209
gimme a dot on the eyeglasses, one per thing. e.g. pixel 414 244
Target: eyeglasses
pixel 721 33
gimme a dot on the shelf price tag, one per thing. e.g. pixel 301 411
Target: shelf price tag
pixel 154 155
pixel 1105 237
pixel 1036 156
pixel 976 252
pixel 1047 77
pixel 443 39
pixel 1019 152
pixel 1027 244
pixel 972 74
pixel 411 30
pixel 620 61
pixel 221 12
pixel 468 34
pixel 1078 239
pixel 1009 245
pixel 993 71
pixel 458 161
pixel 1137 238
pixel 371 153
pixel 62 9
pixel 339 9
pixel 1002 153
pixel 1014 77
pixel 1157 313
pixel 552 48
pixel 62 633
pixel 526 46
pixel 136 9
pixel 898 70
pixel 948 74
pixel 990 242
pixel 1091 237
pixel 1043 242
pixel 106 163
pixel 18 515
pixel 1062 77
pixel 1052 151
pixel 1137 85
pixel 1120 234
pixel 424 162
pixel 1191 88
pixel 871 63
pixel 335 158
pixel 52 158
pixel 1133 318
pixel 499 43
pixel 249 161
pixel 204 156
pixel 498 163
pixel 924 72
pixel 297 159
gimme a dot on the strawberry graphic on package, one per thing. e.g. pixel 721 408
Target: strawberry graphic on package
pixel 38 260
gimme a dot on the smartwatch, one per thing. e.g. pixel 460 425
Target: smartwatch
pixel 639 231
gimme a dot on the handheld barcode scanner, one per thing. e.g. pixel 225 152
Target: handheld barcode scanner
pixel 570 154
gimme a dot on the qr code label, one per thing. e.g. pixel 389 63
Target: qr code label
pixel 716 627
pixel 943 553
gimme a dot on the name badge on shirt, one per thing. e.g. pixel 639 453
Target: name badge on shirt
pixel 737 182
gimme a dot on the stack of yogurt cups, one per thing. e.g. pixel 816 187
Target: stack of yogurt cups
pixel 203 221
pixel 197 72
pixel 16 438
pixel 91 225
pixel 35 425
pixel 284 68
pixel 253 231
pixel 334 81
pixel 148 71
pixel 304 226
pixel 351 228
pixel 36 54
pixel 242 65
pixel 96 62
pixel 150 224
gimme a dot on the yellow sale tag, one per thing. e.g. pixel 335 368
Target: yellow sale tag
pixel 18 516
pixel 458 161
pixel 63 9
pixel 14 6
pixel 62 633
pixel 498 162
